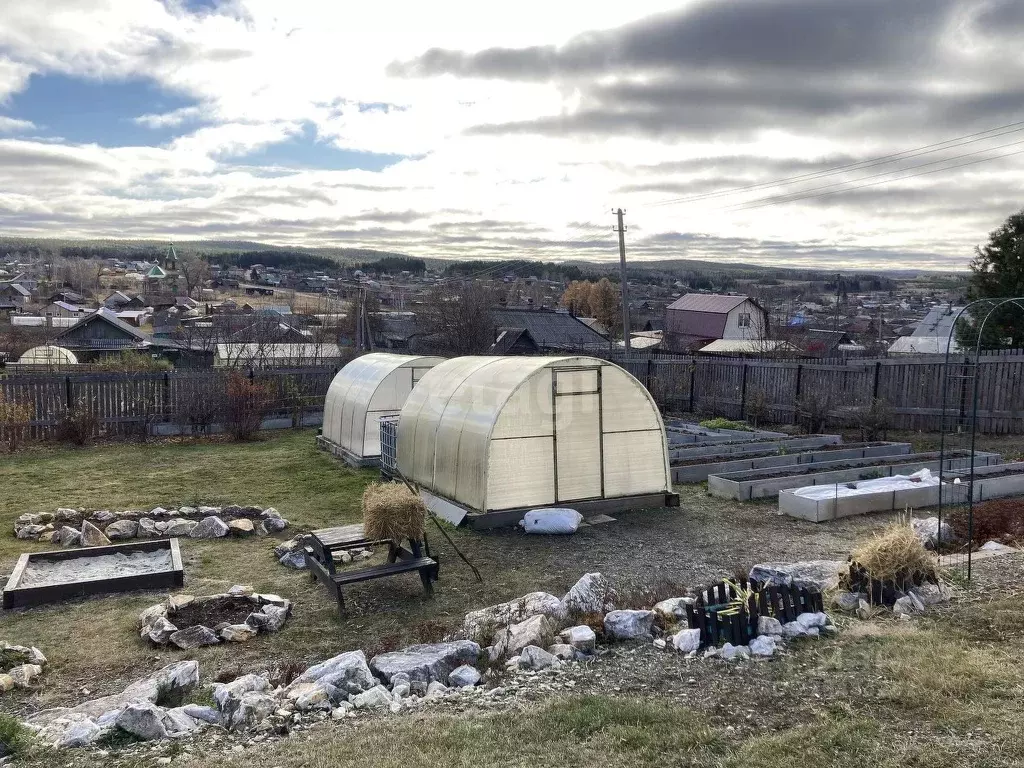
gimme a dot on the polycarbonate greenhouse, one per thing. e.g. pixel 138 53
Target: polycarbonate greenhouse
pixel 492 436
pixel 367 389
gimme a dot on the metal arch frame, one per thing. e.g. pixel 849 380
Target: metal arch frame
pixel 1019 302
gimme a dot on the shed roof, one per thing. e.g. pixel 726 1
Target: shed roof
pixel 104 315
pixel 938 322
pixel 708 302
pixel 550 330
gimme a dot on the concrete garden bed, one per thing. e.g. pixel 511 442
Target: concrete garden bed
pixel 990 482
pixel 688 434
pixel 745 447
pixel 762 483
pixel 694 470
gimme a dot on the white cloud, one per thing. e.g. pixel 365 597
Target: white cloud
pixel 12 125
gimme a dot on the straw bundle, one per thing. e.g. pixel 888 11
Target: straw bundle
pixel 896 554
pixel 392 511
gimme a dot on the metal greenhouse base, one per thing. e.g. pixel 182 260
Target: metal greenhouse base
pixel 457 514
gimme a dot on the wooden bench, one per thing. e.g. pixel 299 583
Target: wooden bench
pixel 325 542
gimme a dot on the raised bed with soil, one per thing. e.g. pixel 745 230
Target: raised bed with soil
pixel 693 433
pixel 991 482
pixel 697 469
pixel 744 447
pixel 764 483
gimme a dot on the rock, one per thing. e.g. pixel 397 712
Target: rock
pixel 251 710
pixel 864 610
pixel 347 671
pixel 931 594
pixel 401 691
pixel 481 625
pixel 317 697
pixel 93 536
pixel 121 529
pixel 375 697
pixel 270 619
pixel 822 575
pixel 536 630
pixel 22 653
pixel 241 590
pixel 227 695
pixel 580 637
pixel 241 528
pixel 211 527
pixel 763 645
pixel 904 606
pixel 238 633
pixel 179 601
pixel 465 676
pixel 158 512
pixel 68 537
pixel 769 625
pixel 179 528
pixel 143 720
pixel 629 625
pixel 179 723
pixel 203 713
pixel 562 651
pixel 928 531
pixel 103 517
pixel 274 524
pixel 436 689
pixel 68 516
pixel 270 512
pixel 147 529
pixel 189 511
pixel 418 688
pixel 686 640
pixel 673 609
pixel 811 620
pixel 159 631
pixel 268 599
pixel 536 659
pixel 296 560
pixel 847 601
pixel 993 546
pixel 24 675
pixel 731 652
pixel 794 629
pixel 432 661
pixel 6 682
pixel 80 733
pixel 194 637
pixel 589 596
pixel 206 511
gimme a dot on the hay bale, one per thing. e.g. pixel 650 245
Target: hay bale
pixel 896 554
pixel 392 511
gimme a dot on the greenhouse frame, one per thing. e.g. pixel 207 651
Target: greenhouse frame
pixel 487 438
pixel 370 387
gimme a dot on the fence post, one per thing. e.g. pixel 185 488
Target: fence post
pixel 693 382
pixel 68 399
pixel 796 395
pixel 743 394
pixel 650 373
pixel 167 397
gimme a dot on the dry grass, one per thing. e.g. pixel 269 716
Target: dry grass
pixel 896 554
pixel 392 511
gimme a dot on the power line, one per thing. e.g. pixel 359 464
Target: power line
pixel 861 165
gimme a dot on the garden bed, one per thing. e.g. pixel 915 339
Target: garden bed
pixel 46 577
pixel 744 447
pixel 763 483
pixel 697 470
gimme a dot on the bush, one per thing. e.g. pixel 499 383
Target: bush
pixel 812 411
pixel 195 404
pixel 132 361
pixel 246 404
pixel 78 424
pixel 875 420
pixel 14 419
pixel 13 735
pixel 895 555
pixel 758 407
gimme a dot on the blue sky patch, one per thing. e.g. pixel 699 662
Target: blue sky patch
pixel 305 151
pixel 96 112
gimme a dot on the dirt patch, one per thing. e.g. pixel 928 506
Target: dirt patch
pixel 211 612
pixel 42 572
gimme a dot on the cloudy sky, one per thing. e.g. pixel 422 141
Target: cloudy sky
pixel 478 129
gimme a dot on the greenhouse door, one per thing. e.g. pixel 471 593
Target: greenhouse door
pixel 578 450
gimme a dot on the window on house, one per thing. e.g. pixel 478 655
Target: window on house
pixel 744 320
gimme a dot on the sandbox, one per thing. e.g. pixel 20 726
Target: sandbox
pixel 46 577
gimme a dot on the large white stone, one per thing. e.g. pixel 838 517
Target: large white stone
pixel 763 645
pixel 628 625
pixel 426 662
pixel 580 637
pixel 374 698
pixel 769 625
pixel 821 575
pixel 589 596
pixel 686 640
pixel 536 658
pixel 465 676
pixel 673 609
pixel 536 630
pixel 482 624
pixel 347 671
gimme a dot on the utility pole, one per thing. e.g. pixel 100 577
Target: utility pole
pixel 835 315
pixel 621 229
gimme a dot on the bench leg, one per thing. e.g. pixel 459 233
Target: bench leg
pixel 428 585
pixel 341 601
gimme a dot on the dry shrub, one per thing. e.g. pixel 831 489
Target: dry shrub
pixel 392 511
pixel 14 421
pixel 1000 519
pixel 78 424
pixel 896 555
pixel 246 404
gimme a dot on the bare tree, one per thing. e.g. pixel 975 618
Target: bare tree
pixel 195 271
pixel 457 318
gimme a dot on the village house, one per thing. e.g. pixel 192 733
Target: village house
pixel 697 319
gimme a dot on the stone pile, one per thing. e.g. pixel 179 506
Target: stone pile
pixel 161 624
pixel 907 604
pixel 77 528
pixel 20 666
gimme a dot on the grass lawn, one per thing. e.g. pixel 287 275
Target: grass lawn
pixel 941 692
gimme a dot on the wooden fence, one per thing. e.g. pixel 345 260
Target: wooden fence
pixel 912 389
pixel 176 402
